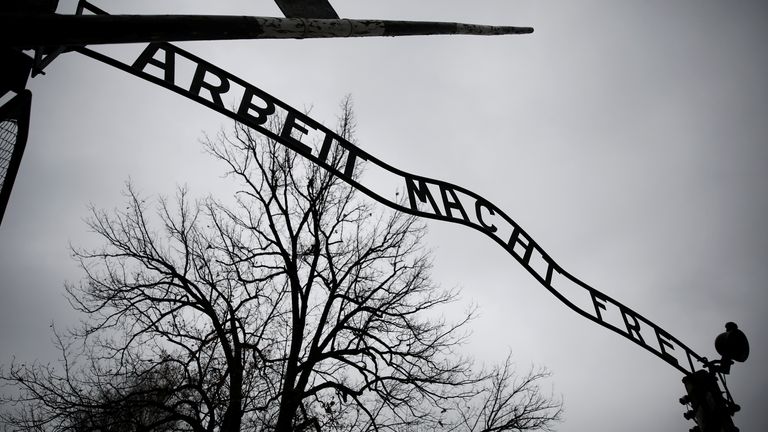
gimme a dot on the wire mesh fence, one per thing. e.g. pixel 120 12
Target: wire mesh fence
pixel 9 131
pixel 14 124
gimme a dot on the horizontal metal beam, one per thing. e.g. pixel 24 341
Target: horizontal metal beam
pixel 33 31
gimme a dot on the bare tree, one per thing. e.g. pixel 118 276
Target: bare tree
pixel 297 306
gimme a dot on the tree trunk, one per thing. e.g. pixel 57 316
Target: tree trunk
pixel 290 400
pixel 288 407
pixel 234 414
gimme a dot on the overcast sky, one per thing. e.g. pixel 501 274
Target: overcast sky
pixel 630 140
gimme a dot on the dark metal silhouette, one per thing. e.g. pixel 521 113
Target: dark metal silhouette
pixel 35 31
pixel 14 124
pixel 710 407
pixel 28 6
pixel 732 344
pixel 430 198
pixel 307 9
pixel 32 25
pixel 15 70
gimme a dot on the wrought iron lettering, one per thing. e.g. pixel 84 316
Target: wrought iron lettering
pixel 426 197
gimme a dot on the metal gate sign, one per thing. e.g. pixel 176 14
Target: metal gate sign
pixel 180 71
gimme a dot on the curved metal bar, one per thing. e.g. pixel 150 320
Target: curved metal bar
pixel 429 198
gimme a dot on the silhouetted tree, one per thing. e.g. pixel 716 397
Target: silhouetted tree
pixel 297 306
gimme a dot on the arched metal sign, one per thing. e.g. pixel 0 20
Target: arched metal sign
pixel 180 71
pixel 163 63
pixel 175 69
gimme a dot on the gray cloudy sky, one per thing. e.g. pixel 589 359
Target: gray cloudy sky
pixel 629 138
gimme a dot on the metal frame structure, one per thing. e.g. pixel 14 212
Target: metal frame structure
pixel 14 127
pixel 51 35
pixel 210 83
